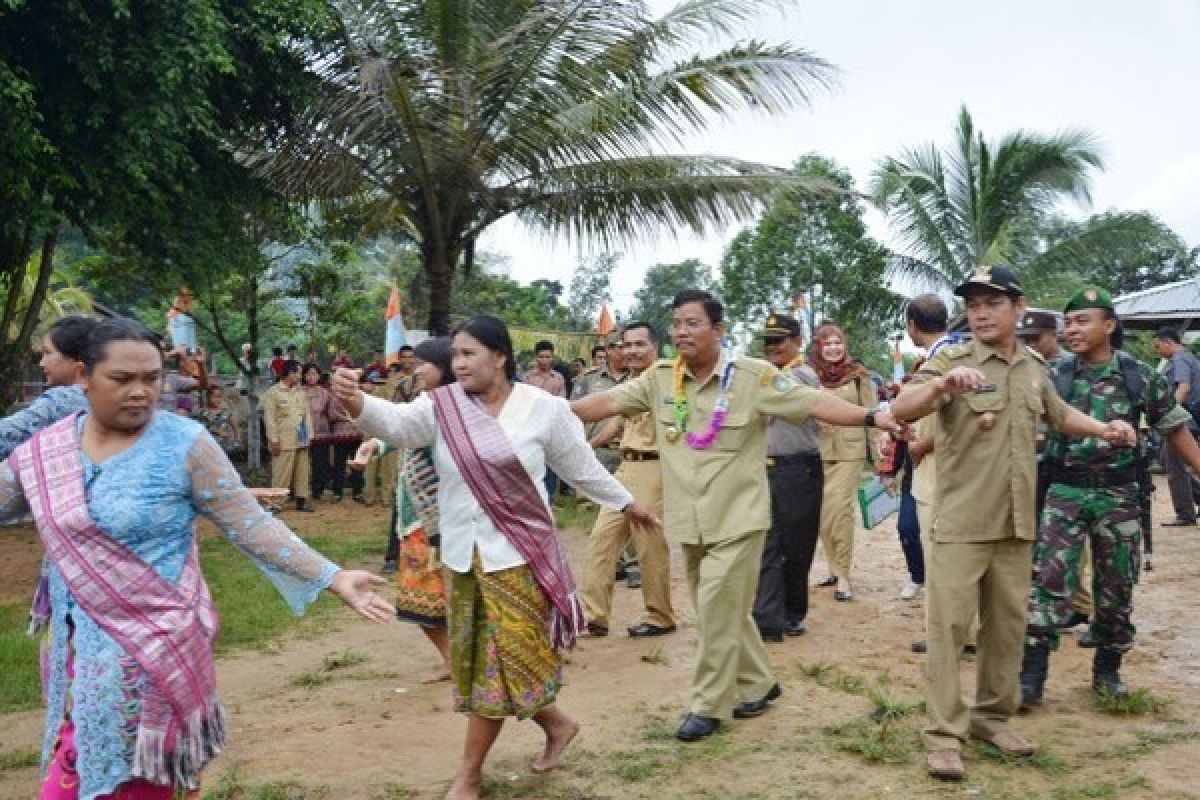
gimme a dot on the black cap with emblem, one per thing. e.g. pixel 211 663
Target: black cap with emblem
pixel 781 325
pixel 997 277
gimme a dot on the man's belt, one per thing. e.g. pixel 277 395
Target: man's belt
pixel 1097 479
pixel 639 455
pixel 794 458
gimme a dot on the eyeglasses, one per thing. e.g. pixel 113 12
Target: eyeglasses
pixel 771 341
pixel 690 324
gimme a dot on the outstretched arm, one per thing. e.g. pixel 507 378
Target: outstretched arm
pixel 595 407
pixel 296 570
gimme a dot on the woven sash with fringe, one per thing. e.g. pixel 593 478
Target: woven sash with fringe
pixel 168 629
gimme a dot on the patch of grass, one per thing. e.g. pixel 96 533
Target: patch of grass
pixel 1104 791
pixel 658 729
pixel 1147 741
pixel 834 677
pixel 21 688
pixel 232 787
pixel 569 512
pixel 19 759
pixel 877 742
pixel 657 656
pixel 1041 760
pixel 394 791
pixel 635 766
pixel 329 665
pixel 888 707
pixel 1137 703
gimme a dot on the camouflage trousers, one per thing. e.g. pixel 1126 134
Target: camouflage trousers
pixel 1110 521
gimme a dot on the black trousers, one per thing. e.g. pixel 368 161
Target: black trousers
pixel 796 486
pixel 320 454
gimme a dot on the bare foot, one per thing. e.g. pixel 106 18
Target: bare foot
pixel 465 787
pixel 437 676
pixel 557 739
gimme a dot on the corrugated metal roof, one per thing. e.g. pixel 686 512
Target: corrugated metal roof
pixel 1180 300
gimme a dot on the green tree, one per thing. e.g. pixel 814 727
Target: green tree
pixel 590 287
pixel 807 242
pixel 442 117
pixel 982 202
pixel 652 302
pixel 116 116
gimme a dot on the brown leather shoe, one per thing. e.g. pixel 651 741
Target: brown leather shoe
pixel 946 765
pixel 1008 743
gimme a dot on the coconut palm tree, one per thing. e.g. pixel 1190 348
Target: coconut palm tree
pixel 982 202
pixel 437 118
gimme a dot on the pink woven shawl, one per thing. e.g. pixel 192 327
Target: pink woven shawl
pixel 168 629
pixel 489 465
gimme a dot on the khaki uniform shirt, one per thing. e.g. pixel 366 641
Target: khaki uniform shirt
pixel 639 434
pixel 986 444
pixel 595 379
pixel 849 444
pixel 400 388
pixel 284 410
pixel 720 493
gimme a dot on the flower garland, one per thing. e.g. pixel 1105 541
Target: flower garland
pixel 703 441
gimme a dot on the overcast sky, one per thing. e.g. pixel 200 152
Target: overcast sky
pixel 1125 71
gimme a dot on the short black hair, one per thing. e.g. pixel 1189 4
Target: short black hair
pixel 543 346
pixel 1169 335
pixel 493 334
pixel 69 335
pixel 290 366
pixel 597 349
pixel 408 348
pixel 292 347
pixel 928 313
pixel 114 329
pixel 639 325
pixel 712 306
pixel 277 352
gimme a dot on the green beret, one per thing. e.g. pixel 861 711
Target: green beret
pixel 1089 297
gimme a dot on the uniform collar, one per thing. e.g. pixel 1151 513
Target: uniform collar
pixel 985 351
pixel 722 360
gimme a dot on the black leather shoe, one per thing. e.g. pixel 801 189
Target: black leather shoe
pixel 1178 522
pixel 696 727
pixel 795 627
pixel 754 708
pixel 774 637
pixel 646 629
pixel 595 629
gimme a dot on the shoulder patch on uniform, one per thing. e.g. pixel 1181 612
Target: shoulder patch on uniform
pixel 1038 356
pixel 783 381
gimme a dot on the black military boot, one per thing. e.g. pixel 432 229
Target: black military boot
pixel 1035 666
pixel 1106 672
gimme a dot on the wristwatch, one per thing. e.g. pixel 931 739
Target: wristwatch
pixel 869 419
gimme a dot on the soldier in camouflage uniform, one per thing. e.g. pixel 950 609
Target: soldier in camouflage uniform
pixel 1094 494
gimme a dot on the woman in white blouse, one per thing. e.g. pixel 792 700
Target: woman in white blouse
pixel 512 606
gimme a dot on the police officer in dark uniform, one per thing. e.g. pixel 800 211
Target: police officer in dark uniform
pixel 796 481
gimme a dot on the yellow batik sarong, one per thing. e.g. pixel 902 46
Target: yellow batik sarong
pixel 501 660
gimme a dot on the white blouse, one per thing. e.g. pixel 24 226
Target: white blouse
pixel 542 430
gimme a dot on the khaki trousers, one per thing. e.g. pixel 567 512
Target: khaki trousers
pixel 609 535
pixel 837 514
pixel 379 479
pixel 962 579
pixel 292 470
pixel 731 662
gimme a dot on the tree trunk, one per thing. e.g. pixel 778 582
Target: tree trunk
pixel 440 274
pixel 14 355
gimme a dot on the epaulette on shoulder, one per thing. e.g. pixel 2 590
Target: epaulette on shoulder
pixel 756 366
pixel 1038 356
pixel 954 351
pixel 668 363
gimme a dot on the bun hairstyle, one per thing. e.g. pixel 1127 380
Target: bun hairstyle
pixel 70 335
pixel 437 351
pixel 116 329
pixel 492 333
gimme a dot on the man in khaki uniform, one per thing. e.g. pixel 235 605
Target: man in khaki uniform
pixel 988 396
pixel 289 425
pixel 380 475
pixel 717 505
pixel 640 473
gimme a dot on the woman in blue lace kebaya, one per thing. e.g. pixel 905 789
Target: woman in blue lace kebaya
pixel 115 492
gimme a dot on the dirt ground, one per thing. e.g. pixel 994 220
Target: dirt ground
pixel 372 730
